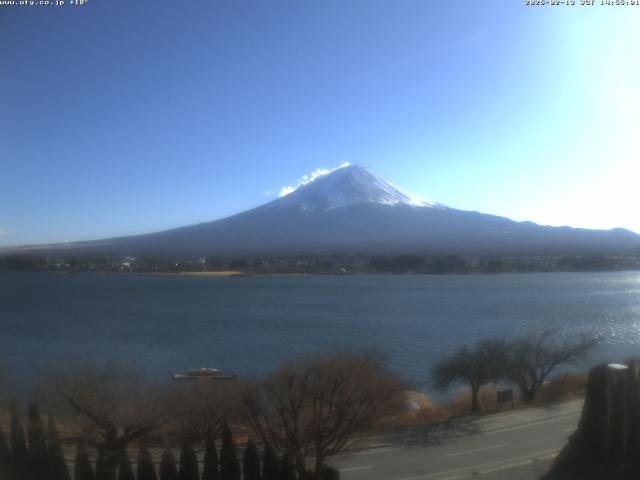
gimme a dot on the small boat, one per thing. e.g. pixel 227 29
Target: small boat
pixel 203 373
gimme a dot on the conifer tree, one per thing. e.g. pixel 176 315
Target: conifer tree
pixel 146 470
pixel 270 464
pixel 229 465
pixel 101 467
pixel 5 456
pixel 38 457
pixel 210 469
pixel 58 469
pixel 251 462
pixel 168 469
pixel 99 472
pixel 19 452
pixel 125 471
pixel 286 468
pixel 83 470
pixel 188 463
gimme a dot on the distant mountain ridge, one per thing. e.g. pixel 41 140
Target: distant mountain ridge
pixel 354 211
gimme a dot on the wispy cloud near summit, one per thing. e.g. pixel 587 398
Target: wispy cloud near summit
pixel 305 179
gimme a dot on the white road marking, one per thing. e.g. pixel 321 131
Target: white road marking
pixel 492 417
pixel 521 463
pixel 528 425
pixel 354 469
pixel 374 451
pixel 506 463
pixel 481 468
pixel 476 450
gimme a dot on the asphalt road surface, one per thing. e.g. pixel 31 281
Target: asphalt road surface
pixel 518 444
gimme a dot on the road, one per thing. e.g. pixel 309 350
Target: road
pixel 505 445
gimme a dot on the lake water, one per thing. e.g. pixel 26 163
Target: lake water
pixel 247 325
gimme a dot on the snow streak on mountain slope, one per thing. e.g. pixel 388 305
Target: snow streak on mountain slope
pixel 347 186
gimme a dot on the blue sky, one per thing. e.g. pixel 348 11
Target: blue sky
pixel 125 117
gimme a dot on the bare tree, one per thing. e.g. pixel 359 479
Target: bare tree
pixel 204 406
pixel 532 359
pixel 312 409
pixel 109 406
pixel 475 365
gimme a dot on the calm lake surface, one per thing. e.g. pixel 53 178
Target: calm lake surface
pixel 247 325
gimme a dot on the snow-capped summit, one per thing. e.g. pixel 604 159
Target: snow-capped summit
pixel 349 185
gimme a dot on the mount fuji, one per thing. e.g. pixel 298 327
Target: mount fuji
pixel 351 210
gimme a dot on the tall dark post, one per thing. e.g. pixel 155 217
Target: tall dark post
pixel 605 445
pixel 595 417
pixel 633 398
pixel 618 430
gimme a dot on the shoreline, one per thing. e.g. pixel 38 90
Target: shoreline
pixel 227 273
pixel 222 273
pixel 236 273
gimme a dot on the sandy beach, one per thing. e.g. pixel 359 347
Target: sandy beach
pixel 224 273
